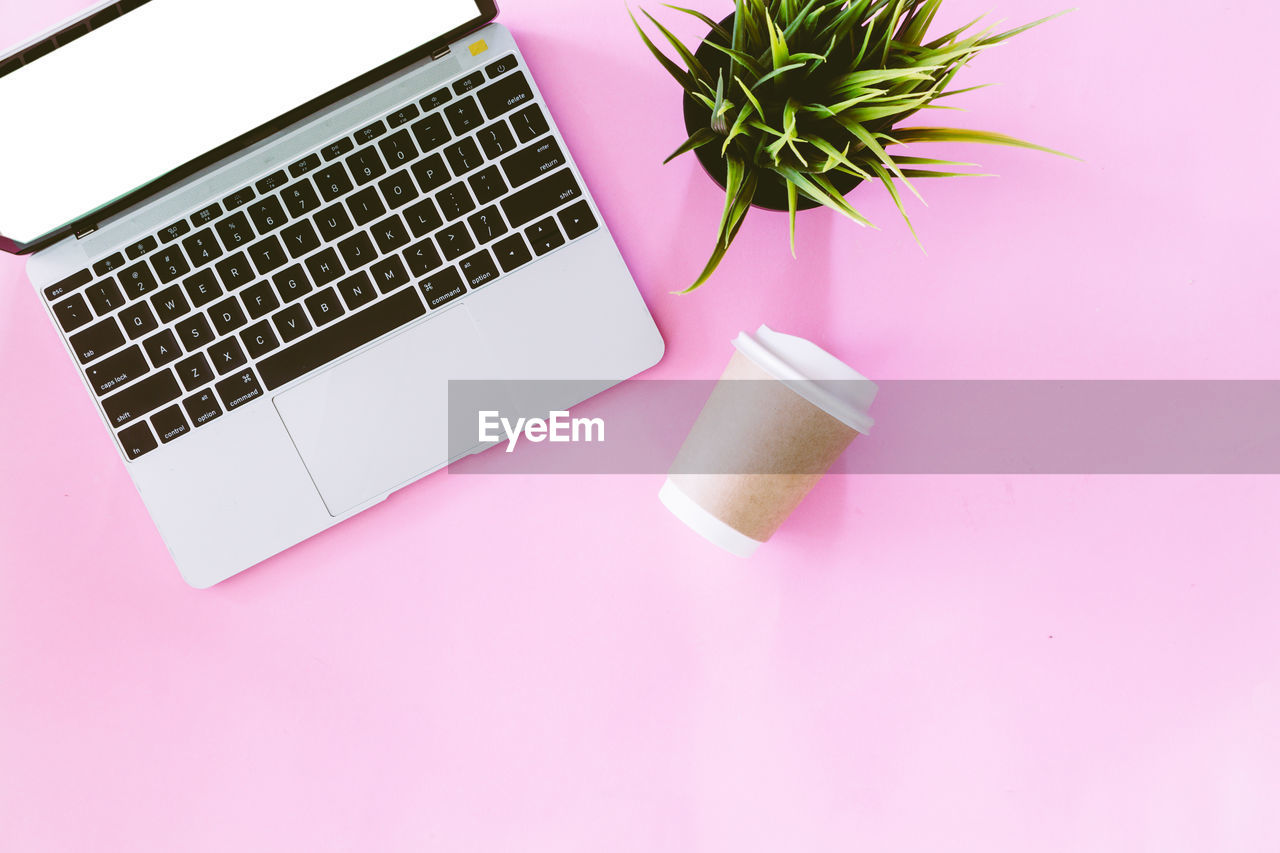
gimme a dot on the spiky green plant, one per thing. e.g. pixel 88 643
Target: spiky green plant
pixel 808 90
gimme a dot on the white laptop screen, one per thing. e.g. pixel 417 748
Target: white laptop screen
pixel 174 79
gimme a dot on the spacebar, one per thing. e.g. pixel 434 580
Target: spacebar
pixel 341 338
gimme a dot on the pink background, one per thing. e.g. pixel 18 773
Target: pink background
pixel 556 664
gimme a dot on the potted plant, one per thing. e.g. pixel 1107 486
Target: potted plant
pixel 789 104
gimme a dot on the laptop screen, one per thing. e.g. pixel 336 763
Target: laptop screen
pixel 171 80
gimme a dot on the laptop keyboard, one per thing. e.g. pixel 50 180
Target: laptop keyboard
pixel 320 257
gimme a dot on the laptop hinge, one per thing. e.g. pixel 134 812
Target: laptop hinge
pixel 441 53
pixel 85 232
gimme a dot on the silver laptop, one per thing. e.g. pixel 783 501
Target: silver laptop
pixel 270 233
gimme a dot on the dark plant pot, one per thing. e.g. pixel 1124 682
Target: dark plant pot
pixel 771 194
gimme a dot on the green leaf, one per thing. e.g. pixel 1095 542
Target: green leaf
pixel 702 136
pixel 696 68
pixel 684 78
pixel 720 31
pixel 903 135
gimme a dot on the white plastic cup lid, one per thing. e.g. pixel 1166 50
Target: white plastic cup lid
pixel 813 373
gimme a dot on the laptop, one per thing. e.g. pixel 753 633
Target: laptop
pixel 271 233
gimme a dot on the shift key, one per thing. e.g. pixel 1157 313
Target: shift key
pixel 139 399
pixel 540 158
pixel 541 198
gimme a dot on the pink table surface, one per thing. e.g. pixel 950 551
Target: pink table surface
pixel 556 664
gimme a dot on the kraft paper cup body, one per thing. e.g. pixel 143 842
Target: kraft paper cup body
pixel 760 445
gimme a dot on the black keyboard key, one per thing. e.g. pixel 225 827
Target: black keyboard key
pixel 578 219
pixel 404 115
pixel 239 198
pixel 337 149
pixel 238 389
pixel 541 198
pixel 505 95
pixel 464 156
pixel 227 355
pixel 443 287
pixel 72 313
pixel 169 264
pixel 324 267
pixel 512 252
pixel 502 66
pixel 430 173
pixel 529 123
pixel 104 296
pixel 436 99
pixel 174 231
pixel 333 222
pixel 140 248
pixel 272 182
pixel 109 264
pixel 431 132
pixel 97 340
pixel 397 149
pixel 478 269
pixel 357 250
pixel 487 185
pixel 162 348
pixel 267 255
pixel 300 238
pixel 487 225
pixel 206 214
pixel 234 271
pixel 137 440
pixel 455 201
pixel 306 164
pixel 366 165
pixel 464 116
pixel 117 371
pixel 292 323
pixel 370 133
pixel 496 140
pixel 67 285
pixel 541 158
pixel 141 397
pixel 300 198
pixel 544 236
pixel 390 234
pixel 333 181
pixel 398 190
pixel 170 424
pixel 194 332
pixel 267 215
pixel 423 218
pixel 260 300
pixel 357 290
pixel 259 339
pixel 390 274
pixel 291 283
pixel 194 371
pixel 422 258
pixel 366 206
pixel 137 280
pixel 202 248
pixel 324 307
pixel 234 231
pixel 227 315
pixel 455 241
pixel 138 320
pixel 342 337
pixel 469 83
pixel 202 408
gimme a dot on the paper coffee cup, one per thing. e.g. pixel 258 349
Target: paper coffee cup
pixel 758 447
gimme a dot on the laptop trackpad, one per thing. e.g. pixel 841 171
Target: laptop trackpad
pixel 380 420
